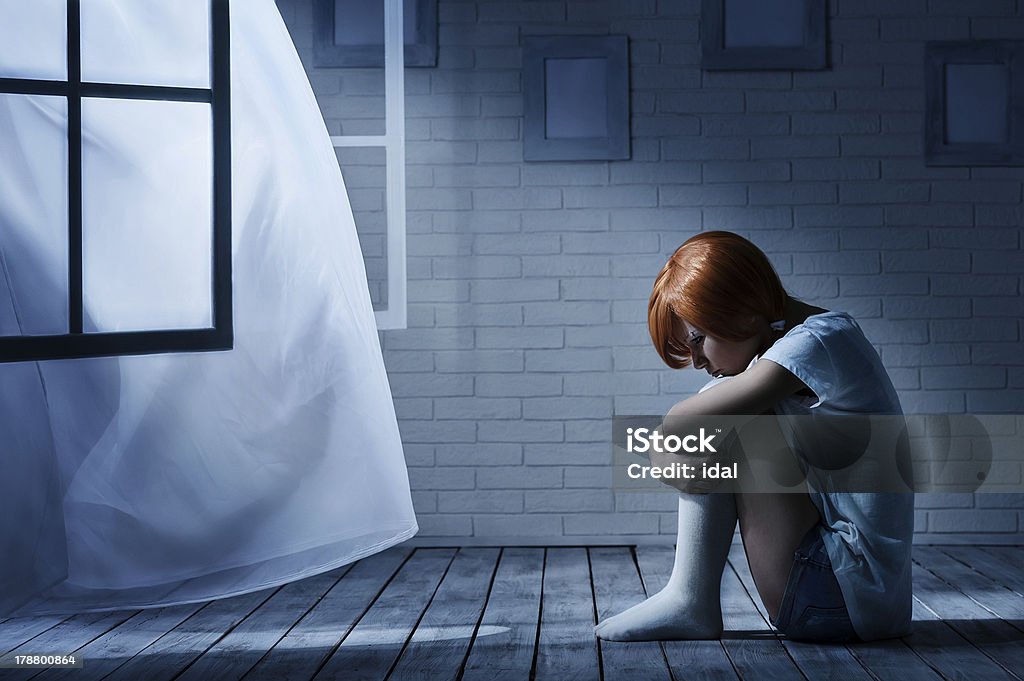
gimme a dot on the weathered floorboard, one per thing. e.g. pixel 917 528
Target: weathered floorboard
pixel 373 645
pixel 17 630
pixel 506 639
pixel 987 592
pixel 944 649
pixel 697 659
pixel 993 564
pixel 753 647
pixel 175 650
pixel 235 654
pixel 438 646
pixel 117 646
pixel 992 645
pixel 303 650
pixel 567 649
pixel 617 587
pixel 67 637
pixel 519 613
pixel 815 660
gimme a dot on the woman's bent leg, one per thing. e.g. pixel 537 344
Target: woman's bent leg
pixel 689 607
pixel 772 526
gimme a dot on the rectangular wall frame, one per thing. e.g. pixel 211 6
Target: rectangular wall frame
pixel 576 98
pixel 363 48
pixel 757 35
pixel 974 103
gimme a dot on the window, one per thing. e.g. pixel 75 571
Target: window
pixel 178 110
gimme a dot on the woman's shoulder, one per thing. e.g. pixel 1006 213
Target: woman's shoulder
pixel 820 313
pixel 837 330
pixel 823 320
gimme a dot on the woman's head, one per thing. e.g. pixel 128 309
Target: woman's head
pixel 720 286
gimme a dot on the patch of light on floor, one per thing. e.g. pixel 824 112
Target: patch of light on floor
pixel 449 633
pixel 378 636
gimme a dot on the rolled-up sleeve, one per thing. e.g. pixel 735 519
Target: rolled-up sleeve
pixel 804 355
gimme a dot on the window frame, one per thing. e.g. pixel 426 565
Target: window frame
pixel 395 315
pixel 77 343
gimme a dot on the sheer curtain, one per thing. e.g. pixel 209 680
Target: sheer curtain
pixel 159 479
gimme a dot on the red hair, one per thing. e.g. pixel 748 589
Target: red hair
pixel 717 281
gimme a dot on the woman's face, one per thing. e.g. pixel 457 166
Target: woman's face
pixel 717 356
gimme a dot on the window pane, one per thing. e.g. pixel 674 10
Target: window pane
pixel 147 178
pixel 33 215
pixel 146 43
pixel 33 39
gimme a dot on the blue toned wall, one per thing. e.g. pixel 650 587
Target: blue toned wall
pixel 528 282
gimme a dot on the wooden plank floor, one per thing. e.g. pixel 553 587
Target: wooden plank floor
pixel 523 613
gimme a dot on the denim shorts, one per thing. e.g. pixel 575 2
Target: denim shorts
pixel 812 606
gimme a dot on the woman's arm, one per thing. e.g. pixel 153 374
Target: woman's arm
pixel 751 393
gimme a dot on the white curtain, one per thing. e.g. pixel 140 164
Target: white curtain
pixel 160 479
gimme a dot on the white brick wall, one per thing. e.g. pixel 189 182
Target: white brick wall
pixel 529 282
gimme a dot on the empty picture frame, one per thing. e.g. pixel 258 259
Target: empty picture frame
pixel 752 35
pixel 974 94
pixel 350 33
pixel 576 98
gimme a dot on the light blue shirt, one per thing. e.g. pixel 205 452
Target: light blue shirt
pixel 868 536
